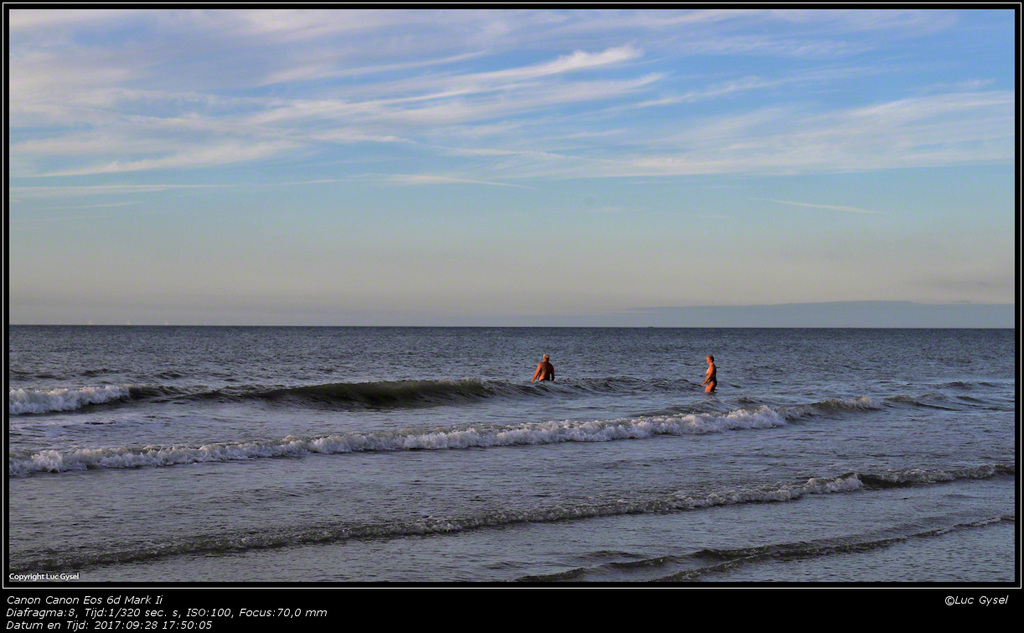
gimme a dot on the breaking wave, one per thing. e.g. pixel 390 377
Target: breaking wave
pixel 378 394
pixel 343 395
pixel 22 401
pixel 386 441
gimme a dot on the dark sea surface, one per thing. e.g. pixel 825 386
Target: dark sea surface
pixel 425 455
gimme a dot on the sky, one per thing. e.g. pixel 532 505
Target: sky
pixel 508 167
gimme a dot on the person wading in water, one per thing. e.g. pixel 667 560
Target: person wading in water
pixel 545 370
pixel 712 378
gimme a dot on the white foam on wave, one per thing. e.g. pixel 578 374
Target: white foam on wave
pixel 524 434
pixel 781 492
pixel 912 476
pixel 22 401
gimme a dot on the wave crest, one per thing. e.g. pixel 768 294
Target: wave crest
pixel 386 441
pixel 832 405
pixel 401 393
pixel 24 401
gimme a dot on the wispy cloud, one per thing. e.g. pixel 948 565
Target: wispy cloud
pixel 203 156
pixel 51 191
pixel 23 20
pixel 575 62
pixel 330 67
pixel 946 129
pixel 828 207
pixel 428 179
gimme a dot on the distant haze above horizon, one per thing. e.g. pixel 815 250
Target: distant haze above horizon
pixel 853 314
pixel 664 168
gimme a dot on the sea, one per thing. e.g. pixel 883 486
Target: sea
pixel 363 456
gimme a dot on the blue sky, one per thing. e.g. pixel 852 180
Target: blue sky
pixel 523 167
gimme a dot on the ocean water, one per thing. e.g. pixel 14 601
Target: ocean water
pixel 425 455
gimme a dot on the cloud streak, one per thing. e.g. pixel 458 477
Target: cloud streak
pixel 828 207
